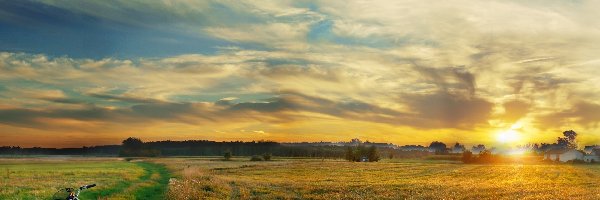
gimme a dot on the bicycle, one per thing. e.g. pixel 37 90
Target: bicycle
pixel 70 193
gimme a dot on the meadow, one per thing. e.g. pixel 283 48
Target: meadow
pixel 213 178
pixel 40 178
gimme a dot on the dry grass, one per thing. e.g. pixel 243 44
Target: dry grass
pixel 335 179
pixel 211 178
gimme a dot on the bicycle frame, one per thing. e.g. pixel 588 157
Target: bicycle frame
pixel 72 194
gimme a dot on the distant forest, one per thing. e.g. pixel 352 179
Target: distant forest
pixel 136 147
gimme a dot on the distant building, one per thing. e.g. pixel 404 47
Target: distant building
pixel 591 158
pixel 589 149
pixel 564 155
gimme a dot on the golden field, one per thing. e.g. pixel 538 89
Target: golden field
pixel 212 178
pixel 389 179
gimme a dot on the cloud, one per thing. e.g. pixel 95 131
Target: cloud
pixel 580 114
pixel 287 106
pixel 515 110
pixel 443 110
pixel 446 67
pixel 124 98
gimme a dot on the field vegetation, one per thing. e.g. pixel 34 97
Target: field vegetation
pixel 40 178
pixel 296 178
pixel 388 179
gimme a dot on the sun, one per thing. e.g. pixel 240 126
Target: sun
pixel 508 136
pixel 511 135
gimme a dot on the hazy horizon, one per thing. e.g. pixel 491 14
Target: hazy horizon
pixel 75 73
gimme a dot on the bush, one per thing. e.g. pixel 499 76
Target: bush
pixel 227 155
pixel 256 158
pixel 267 156
pixel 355 155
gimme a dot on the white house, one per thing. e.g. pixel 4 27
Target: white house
pixel 591 158
pixel 590 149
pixel 564 155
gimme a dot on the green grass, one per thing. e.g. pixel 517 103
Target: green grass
pixel 159 184
pixel 40 178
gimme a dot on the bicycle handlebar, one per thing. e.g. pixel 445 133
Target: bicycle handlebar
pixel 87 186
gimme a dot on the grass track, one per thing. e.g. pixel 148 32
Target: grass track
pixel 151 185
pixel 40 178
pixel 159 184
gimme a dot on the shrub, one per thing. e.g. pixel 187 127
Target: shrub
pixel 256 158
pixel 267 156
pixel 355 155
pixel 227 155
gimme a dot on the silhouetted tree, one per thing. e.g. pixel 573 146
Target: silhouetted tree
pixel 569 139
pixel 437 147
pixel 133 143
pixel 349 154
pixel 373 154
pixel 478 148
pixel 359 152
pixel 458 148
pixel 135 147
pixel 227 155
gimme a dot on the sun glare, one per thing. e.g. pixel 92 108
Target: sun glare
pixel 516 126
pixel 511 135
pixel 508 136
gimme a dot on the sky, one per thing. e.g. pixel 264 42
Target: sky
pixel 76 73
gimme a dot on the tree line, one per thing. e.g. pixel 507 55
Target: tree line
pixel 106 150
pixel 132 147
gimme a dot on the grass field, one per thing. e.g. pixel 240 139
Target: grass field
pixel 40 178
pixel 402 179
pixel 211 178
